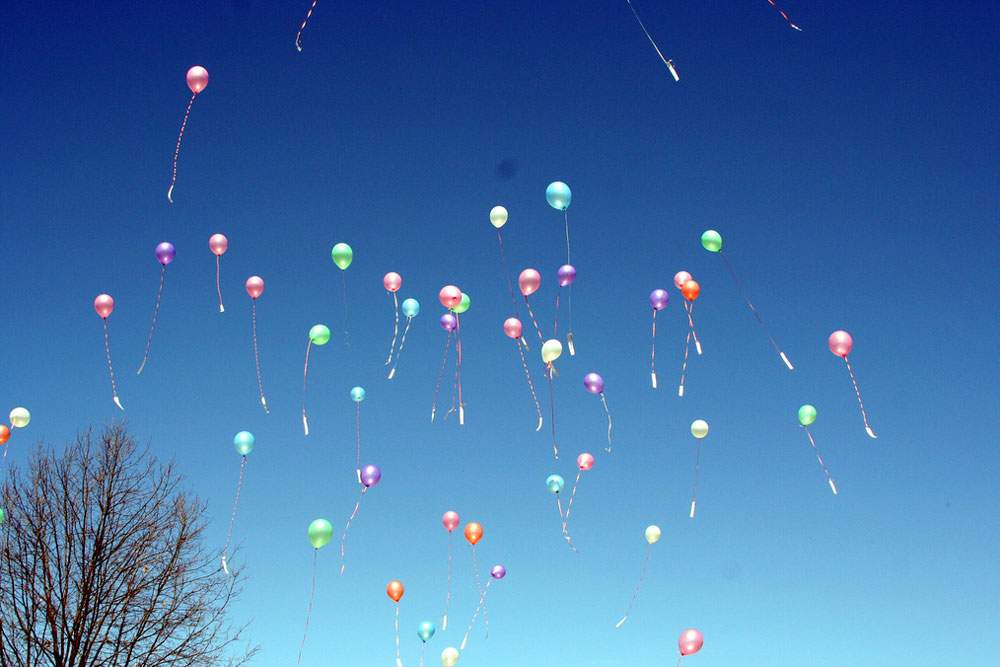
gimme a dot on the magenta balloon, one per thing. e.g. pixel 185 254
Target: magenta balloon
pixel 450 296
pixel 512 327
pixel 165 253
pixel 585 461
pixel 659 298
pixel 450 520
pixel 690 641
pixel 370 475
pixel 498 572
pixel 840 343
pixel 104 305
pixel 449 322
pixel 529 281
pixel 680 278
pixel 594 383
pixel 197 79
pixel 255 286
pixel 566 275
pixel 218 244
pixel 392 281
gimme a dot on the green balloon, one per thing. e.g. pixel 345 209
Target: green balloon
pixel 807 415
pixel 319 334
pixel 463 305
pixel 320 533
pixel 342 255
pixel 712 241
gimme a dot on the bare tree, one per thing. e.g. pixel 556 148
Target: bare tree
pixel 104 565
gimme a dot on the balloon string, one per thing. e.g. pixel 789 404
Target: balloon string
pixel 111 368
pixel 822 464
pixel 440 375
pixel 684 364
pixel 783 15
pixel 652 354
pixel 861 403
pixel 607 413
pixel 555 320
pixel 565 516
pixel 506 273
pixel 343 285
pixel 447 599
pixel 694 489
pixel 679 661
pixel 479 588
pixel 569 317
pixel 423 647
pixel 312 594
pixel 550 371
pixel 256 355
pixel 756 314
pixel 475 615
pixel 347 528
pixel 357 440
pixel 218 286
pixel 232 516
pixel 458 368
pixel 572 497
pixel 689 308
pixel 538 330
pixel 305 376
pixel 668 63
pixel 638 587
pixel 152 324
pixel 395 329
pixel 566 219
pixel 399 661
pixel 177 148
pixel 302 27
pixel 531 386
pixel 402 342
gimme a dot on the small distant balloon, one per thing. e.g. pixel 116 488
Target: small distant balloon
pixel 320 533
pixel 512 327
pixel 448 322
pixel 4 434
pixel 585 461
pixel 498 216
pixel 691 289
pixel 392 281
pixel 104 305
pixel 165 253
pixel 555 483
pixel 450 296
pixel 473 532
pixel 529 281
pixel 699 428
pixel 680 278
pixel 370 475
pixel 395 590
pixel 840 343
pixel 593 383
pixel 243 442
pixel 807 415
pixel 255 286
pixel 551 350
pixel 450 520
pixel 358 394
pixel 197 79
pixel 463 305
pixel 19 417
pixel 558 195
pixel 342 256
pixel 498 572
pixel 652 534
pixel 690 641
pixel 218 244
pixel 410 307
pixel 319 334
pixel 426 630
pixel 566 275
pixel 659 298
pixel 711 240
pixel 449 657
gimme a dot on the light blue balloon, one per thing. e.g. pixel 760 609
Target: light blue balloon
pixel 426 630
pixel 358 394
pixel 411 307
pixel 558 195
pixel 555 483
pixel 243 442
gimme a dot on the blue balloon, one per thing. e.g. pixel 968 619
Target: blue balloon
pixel 243 442
pixel 358 394
pixel 558 195
pixel 426 630
pixel 411 307
pixel 555 483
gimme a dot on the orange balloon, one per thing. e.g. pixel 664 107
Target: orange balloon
pixel 395 590
pixel 4 434
pixel 691 290
pixel 473 532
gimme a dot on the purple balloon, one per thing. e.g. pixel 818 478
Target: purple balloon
pixel 498 572
pixel 165 253
pixel 659 298
pixel 593 383
pixel 566 275
pixel 449 322
pixel 370 475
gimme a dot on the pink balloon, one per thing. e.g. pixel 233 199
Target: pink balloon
pixel 392 281
pixel 255 286
pixel 690 641
pixel 585 461
pixel 104 305
pixel 840 343
pixel 450 296
pixel 680 278
pixel 529 281
pixel 512 327
pixel 218 244
pixel 450 520
pixel 197 79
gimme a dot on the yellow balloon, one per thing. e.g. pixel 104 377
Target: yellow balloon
pixel 449 657
pixel 699 428
pixel 19 417
pixel 551 350
pixel 652 534
pixel 498 216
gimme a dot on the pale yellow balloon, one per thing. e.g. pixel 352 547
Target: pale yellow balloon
pixel 652 534
pixel 699 428
pixel 19 417
pixel 449 657
pixel 551 350
pixel 498 216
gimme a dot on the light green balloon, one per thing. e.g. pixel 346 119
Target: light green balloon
pixel 807 415
pixel 342 255
pixel 551 350
pixel 320 533
pixel 19 417
pixel 319 334
pixel 653 534
pixel 449 657
pixel 711 240
pixel 243 442
pixel 699 428
pixel 463 305
pixel 410 307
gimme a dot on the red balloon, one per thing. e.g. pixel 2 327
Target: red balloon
pixel 840 343
pixel 392 281
pixel 585 461
pixel 104 305
pixel 680 278
pixel 691 290
pixel 450 296
pixel 529 281
pixel 4 434
pixel 218 244
pixel 512 327
pixel 395 590
pixel 197 79
pixel 450 520
pixel 255 286
pixel 690 641
pixel 473 532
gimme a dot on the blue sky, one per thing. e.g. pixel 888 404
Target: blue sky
pixel 851 169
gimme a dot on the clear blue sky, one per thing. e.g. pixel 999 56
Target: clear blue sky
pixel 852 169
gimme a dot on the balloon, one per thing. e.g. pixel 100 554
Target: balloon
pixel 512 327
pixel 498 216
pixel 840 343
pixel 4 434
pixel 449 322
pixel 652 534
pixel 529 281
pixel 165 253
pixel 551 350
pixel 498 572
pixel 243 442
pixel 342 255
pixel 555 483
pixel 104 305
pixel 463 305
pixel 711 240
pixel 3 515
pixel 699 428
pixel 558 195
pixel 319 334
pixel 450 520
pixel 218 244
pixel 566 275
pixel 392 281
pixel 449 657
pixel 358 394
pixel 473 532
pixel 255 287
pixel 593 383
pixel 410 307
pixel 450 296
pixel 370 475
pixel 395 590
pixel 426 630
pixel 19 417
pixel 320 533
pixel 807 415
pixel 680 278
pixel 691 290
pixel 659 298
pixel 197 79
pixel 585 461
pixel 690 641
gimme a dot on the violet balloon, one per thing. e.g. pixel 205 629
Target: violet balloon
pixel 594 383
pixel 566 275
pixel 370 475
pixel 165 253
pixel 840 343
pixel 659 298
pixel 449 322
pixel 498 572
pixel 690 641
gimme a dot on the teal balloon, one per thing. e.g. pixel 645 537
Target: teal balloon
pixel 243 442
pixel 426 630
pixel 807 415
pixel 411 307
pixel 558 195
pixel 555 483
pixel 711 240
pixel 358 394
